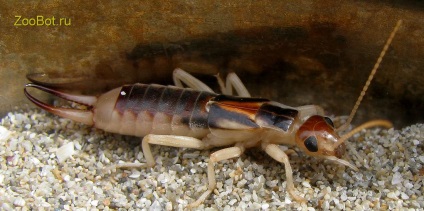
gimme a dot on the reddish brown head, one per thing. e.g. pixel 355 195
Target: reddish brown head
pixel 317 138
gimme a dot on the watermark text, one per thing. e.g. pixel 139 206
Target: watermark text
pixel 40 20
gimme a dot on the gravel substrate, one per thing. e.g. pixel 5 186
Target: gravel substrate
pixel 36 172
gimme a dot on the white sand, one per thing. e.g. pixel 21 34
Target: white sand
pixel 31 176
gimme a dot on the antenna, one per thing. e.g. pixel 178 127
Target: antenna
pixel 373 123
pixel 370 77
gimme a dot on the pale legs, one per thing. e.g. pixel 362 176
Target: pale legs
pixel 275 152
pixel 180 76
pixel 232 81
pixel 223 154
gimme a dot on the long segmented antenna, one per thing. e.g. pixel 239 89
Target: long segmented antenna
pixel 378 122
pixel 370 77
pixel 373 123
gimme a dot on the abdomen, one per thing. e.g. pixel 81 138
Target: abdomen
pixel 141 109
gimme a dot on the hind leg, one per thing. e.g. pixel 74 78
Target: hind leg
pixel 164 140
pixel 180 76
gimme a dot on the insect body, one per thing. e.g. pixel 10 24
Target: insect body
pixel 196 117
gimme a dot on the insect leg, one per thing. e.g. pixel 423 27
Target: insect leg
pixel 180 76
pixel 223 154
pixel 168 140
pixel 164 140
pixel 233 81
pixel 275 152
pixel 309 110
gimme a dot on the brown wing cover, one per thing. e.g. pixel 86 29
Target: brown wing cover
pixel 277 116
pixel 234 113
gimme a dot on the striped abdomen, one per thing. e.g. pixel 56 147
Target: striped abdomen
pixel 141 109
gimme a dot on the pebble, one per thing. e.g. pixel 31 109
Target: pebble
pixel 135 175
pixel 306 184
pixel 6 206
pixel 94 203
pixel 168 206
pixel 404 196
pixel 19 202
pixel 65 152
pixel 4 133
pixel 232 202
pixel 28 140
pixel 397 178
pixel 392 195
pixel 343 197
pixel 265 206
pixel 256 206
pixel 421 158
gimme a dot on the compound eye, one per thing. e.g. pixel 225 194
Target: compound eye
pixel 329 121
pixel 311 143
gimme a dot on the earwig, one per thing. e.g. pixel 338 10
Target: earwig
pixel 198 118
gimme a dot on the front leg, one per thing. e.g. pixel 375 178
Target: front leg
pixel 309 110
pixel 275 152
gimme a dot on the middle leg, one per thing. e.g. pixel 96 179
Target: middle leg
pixel 223 154
pixel 233 81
